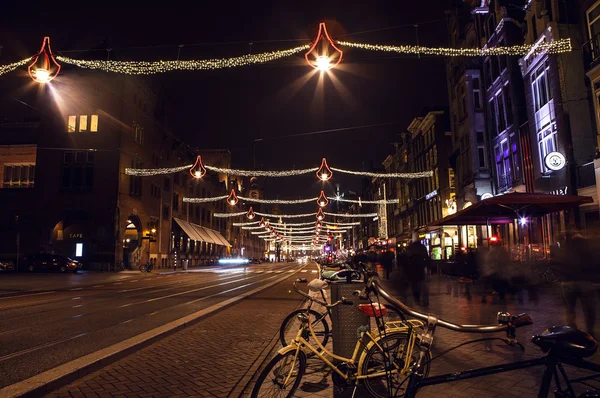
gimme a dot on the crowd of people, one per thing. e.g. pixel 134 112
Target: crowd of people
pixel 573 260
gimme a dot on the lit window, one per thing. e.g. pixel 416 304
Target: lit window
pixel 72 120
pixel 78 249
pixel 83 120
pixel 94 123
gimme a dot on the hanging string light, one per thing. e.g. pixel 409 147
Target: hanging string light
pixel 320 215
pixel 250 214
pixel 323 172
pixel 232 198
pixel 323 54
pixel 553 47
pixel 378 202
pixel 260 173
pixel 278 201
pixel 342 224
pixel 205 200
pixel 10 67
pixel 245 224
pixel 322 201
pixel 198 170
pixel 254 227
pixel 286 215
pixel 225 215
pixel 351 215
pixel 385 175
pixel 43 67
pixel 151 68
pixel 155 172
pixel 262 222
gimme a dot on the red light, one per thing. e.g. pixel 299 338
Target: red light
pixel 493 239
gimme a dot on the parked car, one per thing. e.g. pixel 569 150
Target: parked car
pixel 256 261
pixel 50 262
pixel 6 265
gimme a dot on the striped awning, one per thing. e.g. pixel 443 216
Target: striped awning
pixel 199 233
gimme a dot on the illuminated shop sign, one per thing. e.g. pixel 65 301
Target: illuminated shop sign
pixel 431 194
pixel 555 161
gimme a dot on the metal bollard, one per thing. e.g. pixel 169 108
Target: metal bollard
pixel 346 320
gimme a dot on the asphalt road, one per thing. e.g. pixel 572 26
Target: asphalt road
pixel 49 319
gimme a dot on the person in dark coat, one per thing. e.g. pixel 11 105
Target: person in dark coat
pixel 387 262
pixel 417 261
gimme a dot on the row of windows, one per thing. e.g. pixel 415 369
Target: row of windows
pixel 508 163
pixel 501 110
pixel 82 123
pixel 18 176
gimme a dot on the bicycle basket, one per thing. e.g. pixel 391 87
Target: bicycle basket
pixel 373 310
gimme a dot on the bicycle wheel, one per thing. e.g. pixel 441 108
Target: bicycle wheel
pixel 271 381
pixel 550 276
pixel 291 324
pixel 390 358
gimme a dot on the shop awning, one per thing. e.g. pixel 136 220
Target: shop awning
pixel 202 234
pixel 503 209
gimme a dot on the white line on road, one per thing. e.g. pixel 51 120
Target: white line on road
pixel 98 285
pixel 76 298
pixel 26 295
pixel 77 288
pixel 77 306
pixel 313 271
pixel 135 280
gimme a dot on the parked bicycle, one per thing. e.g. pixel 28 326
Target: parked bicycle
pixel 547 274
pixel 146 267
pixel 321 320
pixel 380 356
pixel 561 344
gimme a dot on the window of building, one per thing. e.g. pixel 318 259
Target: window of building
pixel 167 184
pixel 451 178
pixel 135 182
pixel 540 87
pixel 71 123
pixel 203 214
pixel 175 201
pixel 506 159
pixel 516 161
pixel 18 176
pixel 176 178
pixel 508 105
pixel 138 133
pixel 481 157
pixel 533 26
pixel 83 123
pixel 155 190
pixel 480 139
pixel 165 211
pixel 593 20
pixel 501 112
pixel 462 107
pixel 546 143
pixel 499 166
pixel 477 102
pixel 493 120
pixel 78 170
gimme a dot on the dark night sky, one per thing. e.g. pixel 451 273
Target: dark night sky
pixel 230 108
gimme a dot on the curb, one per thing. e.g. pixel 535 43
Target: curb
pixel 57 377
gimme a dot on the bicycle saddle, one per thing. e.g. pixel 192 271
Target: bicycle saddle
pixel 566 341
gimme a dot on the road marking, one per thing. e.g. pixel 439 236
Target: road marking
pixel 133 290
pixel 135 280
pixel 32 349
pixel 77 288
pixel 76 298
pixel 98 285
pixel 26 295
pixel 313 271
pixel 304 270
pixel 127 321
pixel 77 306
pixel 77 316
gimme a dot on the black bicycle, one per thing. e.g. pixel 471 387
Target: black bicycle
pixel 146 267
pixel 561 344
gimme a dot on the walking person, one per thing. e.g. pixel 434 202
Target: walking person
pixel 387 262
pixel 580 274
pixel 417 261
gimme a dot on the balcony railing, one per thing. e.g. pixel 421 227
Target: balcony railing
pixel 586 175
pixel 591 52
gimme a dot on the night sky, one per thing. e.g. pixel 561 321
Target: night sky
pixel 231 108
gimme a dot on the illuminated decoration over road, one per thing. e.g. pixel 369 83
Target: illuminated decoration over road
pixel 43 67
pixel 205 200
pixel 554 47
pixel 323 54
pixel 320 215
pixel 351 215
pixel 10 67
pixel 260 173
pixel 286 215
pixel 377 202
pixel 253 227
pixel 385 175
pixel 154 67
pixel 250 214
pixel 198 170
pixel 243 224
pixel 324 172
pixel 322 201
pixel 232 198
pixel 278 201
pixel 223 215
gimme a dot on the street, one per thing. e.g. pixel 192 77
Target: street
pixel 49 319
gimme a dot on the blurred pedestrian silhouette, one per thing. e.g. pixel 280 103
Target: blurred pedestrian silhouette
pixel 496 267
pixel 417 260
pixel 579 276
pixel 386 259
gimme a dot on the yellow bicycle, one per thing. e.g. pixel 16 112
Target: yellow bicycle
pixel 382 357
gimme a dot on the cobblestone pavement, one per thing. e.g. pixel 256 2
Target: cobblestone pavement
pixel 209 360
pixel 215 357
pixel 462 303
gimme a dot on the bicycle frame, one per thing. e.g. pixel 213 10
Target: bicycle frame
pixel 360 349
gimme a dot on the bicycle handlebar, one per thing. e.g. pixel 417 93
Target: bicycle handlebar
pixel 520 320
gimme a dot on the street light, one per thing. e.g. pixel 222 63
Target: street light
pixel 323 63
